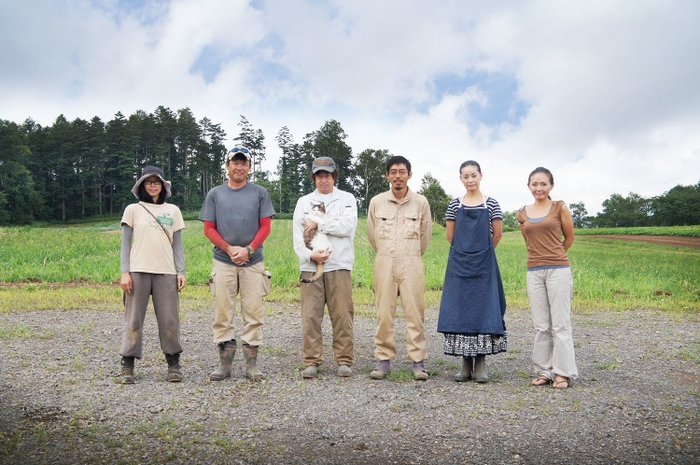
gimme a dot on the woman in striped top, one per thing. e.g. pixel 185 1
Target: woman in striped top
pixel 473 302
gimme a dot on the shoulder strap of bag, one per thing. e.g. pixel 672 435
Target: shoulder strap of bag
pixel 161 226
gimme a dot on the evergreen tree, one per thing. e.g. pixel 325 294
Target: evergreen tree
pixel 289 176
pixel 92 175
pixel 329 141
pixel 120 167
pixel 209 162
pixel 19 200
pixel 254 140
pixel 187 143
pixel 165 144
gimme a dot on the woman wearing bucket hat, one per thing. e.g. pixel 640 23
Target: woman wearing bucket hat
pixel 152 264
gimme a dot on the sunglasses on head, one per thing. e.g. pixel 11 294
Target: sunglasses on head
pixel 236 150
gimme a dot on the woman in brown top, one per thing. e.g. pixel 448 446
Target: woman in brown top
pixel 549 281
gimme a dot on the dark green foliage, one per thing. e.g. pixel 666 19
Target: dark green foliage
pixel 370 176
pixel 579 215
pixel 437 197
pixel 19 198
pixel 83 169
pixel 288 188
pixel 678 207
pixel 253 140
pixel 294 167
pixel 509 221
pixel 620 212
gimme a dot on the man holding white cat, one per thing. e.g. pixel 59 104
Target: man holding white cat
pixel 334 286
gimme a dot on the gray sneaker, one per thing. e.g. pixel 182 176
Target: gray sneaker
pixel 310 372
pixel 344 371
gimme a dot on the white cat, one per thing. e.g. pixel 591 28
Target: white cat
pixel 316 240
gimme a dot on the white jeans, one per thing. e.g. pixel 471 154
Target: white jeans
pixel 550 292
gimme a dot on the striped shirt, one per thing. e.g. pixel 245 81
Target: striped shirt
pixel 494 208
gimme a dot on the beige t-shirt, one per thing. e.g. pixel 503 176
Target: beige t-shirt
pixel 151 250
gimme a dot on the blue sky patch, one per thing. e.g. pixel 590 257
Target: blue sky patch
pixel 207 63
pixel 147 12
pixel 500 90
pixel 272 41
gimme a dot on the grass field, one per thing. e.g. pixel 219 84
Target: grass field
pixel 72 267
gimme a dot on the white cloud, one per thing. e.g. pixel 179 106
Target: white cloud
pixel 611 87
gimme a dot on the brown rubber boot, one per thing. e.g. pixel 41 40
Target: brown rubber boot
pixel 127 375
pixel 466 373
pixel 251 363
pixel 226 352
pixel 174 370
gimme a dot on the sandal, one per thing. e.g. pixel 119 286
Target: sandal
pixel 561 382
pixel 541 381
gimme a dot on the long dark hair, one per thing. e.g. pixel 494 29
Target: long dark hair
pixel 144 197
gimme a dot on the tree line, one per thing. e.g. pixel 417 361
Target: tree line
pixel 680 206
pixel 74 170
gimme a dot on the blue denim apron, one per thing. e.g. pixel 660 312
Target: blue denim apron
pixel 473 300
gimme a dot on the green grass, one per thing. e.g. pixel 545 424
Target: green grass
pixel 78 267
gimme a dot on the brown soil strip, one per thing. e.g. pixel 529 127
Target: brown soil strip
pixel 675 241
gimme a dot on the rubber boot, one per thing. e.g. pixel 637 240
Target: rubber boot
pixel 127 375
pixel 480 375
pixel 466 373
pixel 174 370
pixel 226 352
pixel 251 363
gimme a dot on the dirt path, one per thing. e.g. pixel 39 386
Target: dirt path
pixel 675 241
pixel 637 399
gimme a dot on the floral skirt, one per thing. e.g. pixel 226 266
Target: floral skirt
pixel 473 344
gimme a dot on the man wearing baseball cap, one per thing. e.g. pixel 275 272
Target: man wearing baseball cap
pixel 334 286
pixel 237 216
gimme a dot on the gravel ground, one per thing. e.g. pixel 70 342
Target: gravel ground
pixel 637 400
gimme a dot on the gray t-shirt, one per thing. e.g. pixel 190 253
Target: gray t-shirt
pixel 237 214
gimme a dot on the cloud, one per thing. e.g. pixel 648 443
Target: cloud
pixel 603 93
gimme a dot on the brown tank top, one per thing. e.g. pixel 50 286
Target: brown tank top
pixel 543 239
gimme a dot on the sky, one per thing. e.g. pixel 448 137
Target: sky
pixel 604 93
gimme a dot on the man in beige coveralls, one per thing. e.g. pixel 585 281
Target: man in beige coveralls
pixel 399 227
